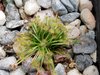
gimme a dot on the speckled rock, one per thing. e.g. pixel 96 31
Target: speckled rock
pixel 91 70
pixel 88 19
pixel 2 18
pixel 18 3
pixel 2 72
pixel 94 56
pixel 83 29
pixel 58 7
pixel 74 72
pixel 91 34
pixel 67 18
pixel 83 61
pixel 2 53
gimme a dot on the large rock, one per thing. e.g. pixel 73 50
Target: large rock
pixel 2 18
pixel 18 3
pixel 67 18
pixel 74 72
pixel 88 18
pixel 2 72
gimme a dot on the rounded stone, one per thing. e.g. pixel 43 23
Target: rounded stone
pixel 2 18
pixel 18 3
pixel 74 72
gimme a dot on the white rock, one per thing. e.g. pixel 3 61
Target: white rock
pixel 85 4
pixel 18 3
pixel 94 56
pixel 31 7
pixel 18 71
pixel 2 72
pixel 2 18
pixel 8 63
pixel 74 72
pixel 91 70
pixel 83 29
pixel 2 53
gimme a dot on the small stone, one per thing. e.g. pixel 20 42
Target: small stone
pixel 76 23
pixel 91 34
pixel 18 71
pixel 44 3
pixel 91 70
pixel 88 18
pixel 86 45
pixel 18 3
pixel 85 4
pixel 58 7
pixel 67 18
pixel 83 29
pixel 31 7
pixel 83 61
pixel 2 72
pixel 15 23
pixel 60 70
pixel 8 63
pixel 94 56
pixel 74 72
pixel 68 5
pixel 43 14
pixel 2 18
pixel 2 53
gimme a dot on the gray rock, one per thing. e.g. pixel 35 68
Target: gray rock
pixel 8 63
pixel 68 5
pixel 91 34
pixel 3 30
pixel 12 12
pixel 2 72
pixel 58 7
pixel 18 3
pixel 67 18
pixel 60 70
pixel 83 61
pixel 44 3
pixel 15 23
pixel 86 45
pixel 2 18
pixel 2 53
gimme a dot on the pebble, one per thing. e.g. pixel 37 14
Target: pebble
pixel 85 4
pixel 15 23
pixel 58 7
pixel 83 61
pixel 44 3
pixel 60 70
pixel 2 53
pixel 86 45
pixel 68 5
pixel 18 3
pixel 2 18
pixel 8 63
pixel 31 7
pixel 75 23
pixel 94 56
pixel 70 17
pixel 91 70
pixel 88 18
pixel 91 34
pixel 74 72
pixel 2 72
pixel 18 71
pixel 83 29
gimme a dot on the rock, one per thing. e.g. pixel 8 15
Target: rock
pixel 58 7
pixel 8 63
pixel 2 53
pixel 67 18
pixel 83 29
pixel 31 7
pixel 1 7
pixel 74 72
pixel 94 56
pixel 2 72
pixel 2 18
pixel 18 71
pixel 91 34
pixel 45 13
pixel 68 5
pixel 73 32
pixel 44 3
pixel 88 18
pixel 83 61
pixel 3 30
pixel 75 23
pixel 15 23
pixel 91 70
pixel 60 70
pixel 85 4
pixel 86 45
pixel 18 3
pixel 12 12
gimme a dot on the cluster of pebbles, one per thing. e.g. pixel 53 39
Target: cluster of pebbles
pixel 75 14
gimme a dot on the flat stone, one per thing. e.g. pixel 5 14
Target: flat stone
pixel 74 72
pixel 70 17
pixel 2 72
pixel 18 3
pixel 2 53
pixel 58 7
pixel 88 18
pixel 2 18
